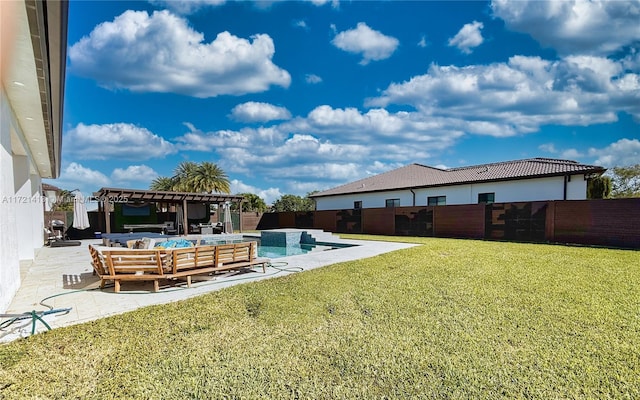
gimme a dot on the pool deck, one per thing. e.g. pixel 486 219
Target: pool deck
pixel 62 278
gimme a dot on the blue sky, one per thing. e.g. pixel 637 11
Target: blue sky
pixel 292 97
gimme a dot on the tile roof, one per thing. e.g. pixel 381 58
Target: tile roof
pixel 419 176
pixel 46 186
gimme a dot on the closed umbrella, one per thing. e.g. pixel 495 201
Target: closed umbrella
pixel 179 219
pixel 80 215
pixel 228 225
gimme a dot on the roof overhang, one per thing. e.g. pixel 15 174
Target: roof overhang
pixel 126 195
pixel 34 77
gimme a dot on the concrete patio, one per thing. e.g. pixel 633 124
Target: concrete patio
pixel 62 278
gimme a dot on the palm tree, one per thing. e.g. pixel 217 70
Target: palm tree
pixel 196 178
pixel 182 176
pixel 208 177
pixel 163 183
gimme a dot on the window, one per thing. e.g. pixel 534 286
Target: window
pixel 486 198
pixel 357 205
pixel 437 201
pixel 392 203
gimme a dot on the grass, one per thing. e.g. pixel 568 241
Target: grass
pixel 454 319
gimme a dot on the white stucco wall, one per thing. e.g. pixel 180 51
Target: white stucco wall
pixel 21 209
pixel 539 189
pixel 577 188
pixel 9 261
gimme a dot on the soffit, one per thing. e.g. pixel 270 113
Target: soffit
pixel 27 84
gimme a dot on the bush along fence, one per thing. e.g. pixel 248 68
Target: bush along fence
pixel 610 222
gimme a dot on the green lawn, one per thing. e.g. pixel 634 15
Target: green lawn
pixel 449 319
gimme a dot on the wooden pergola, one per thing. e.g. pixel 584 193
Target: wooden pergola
pixel 107 196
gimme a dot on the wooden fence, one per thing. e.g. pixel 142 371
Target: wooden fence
pixel 611 222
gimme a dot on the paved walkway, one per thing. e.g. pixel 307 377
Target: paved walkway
pixel 62 278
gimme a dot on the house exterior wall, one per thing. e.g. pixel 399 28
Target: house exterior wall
pixel 538 189
pixel 21 209
pixel 9 261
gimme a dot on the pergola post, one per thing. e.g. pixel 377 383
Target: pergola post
pixel 106 206
pixel 240 215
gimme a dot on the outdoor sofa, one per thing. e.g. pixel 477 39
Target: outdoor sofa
pixel 153 264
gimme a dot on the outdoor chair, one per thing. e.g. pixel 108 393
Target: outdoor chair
pixel 169 228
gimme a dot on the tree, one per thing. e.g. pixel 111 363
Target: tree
pixel 163 183
pixel 599 187
pixel 208 177
pixel 309 203
pixel 625 181
pixel 195 178
pixel 291 202
pixel 64 201
pixel 252 202
pixel 182 176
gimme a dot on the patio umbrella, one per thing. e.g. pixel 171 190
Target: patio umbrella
pixel 179 218
pixel 228 225
pixel 80 215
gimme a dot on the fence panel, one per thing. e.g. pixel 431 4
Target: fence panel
pixel 598 222
pixel 612 222
pixel 379 221
pixel 349 221
pixel 464 221
pixel 525 221
pixel 326 220
pixel 414 221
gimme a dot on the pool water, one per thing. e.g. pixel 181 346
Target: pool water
pixel 291 250
pixel 281 251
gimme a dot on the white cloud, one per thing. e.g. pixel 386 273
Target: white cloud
pixel 571 154
pixel 187 6
pixel 548 147
pixel 373 45
pixel 269 195
pixel 505 99
pixel 86 180
pixel 300 24
pixel 334 3
pixel 379 124
pixel 225 141
pixel 574 26
pixel 624 152
pixel 134 173
pixel 312 78
pixel 468 37
pixel 259 112
pixel 75 175
pixel 115 141
pixel 312 160
pixel 161 53
pixel 567 154
pixel 423 42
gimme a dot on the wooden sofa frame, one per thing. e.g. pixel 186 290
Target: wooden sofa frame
pixel 121 264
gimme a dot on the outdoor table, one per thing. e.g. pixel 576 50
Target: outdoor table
pixel 131 227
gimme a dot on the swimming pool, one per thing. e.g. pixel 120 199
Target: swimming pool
pixel 296 249
pixel 280 251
